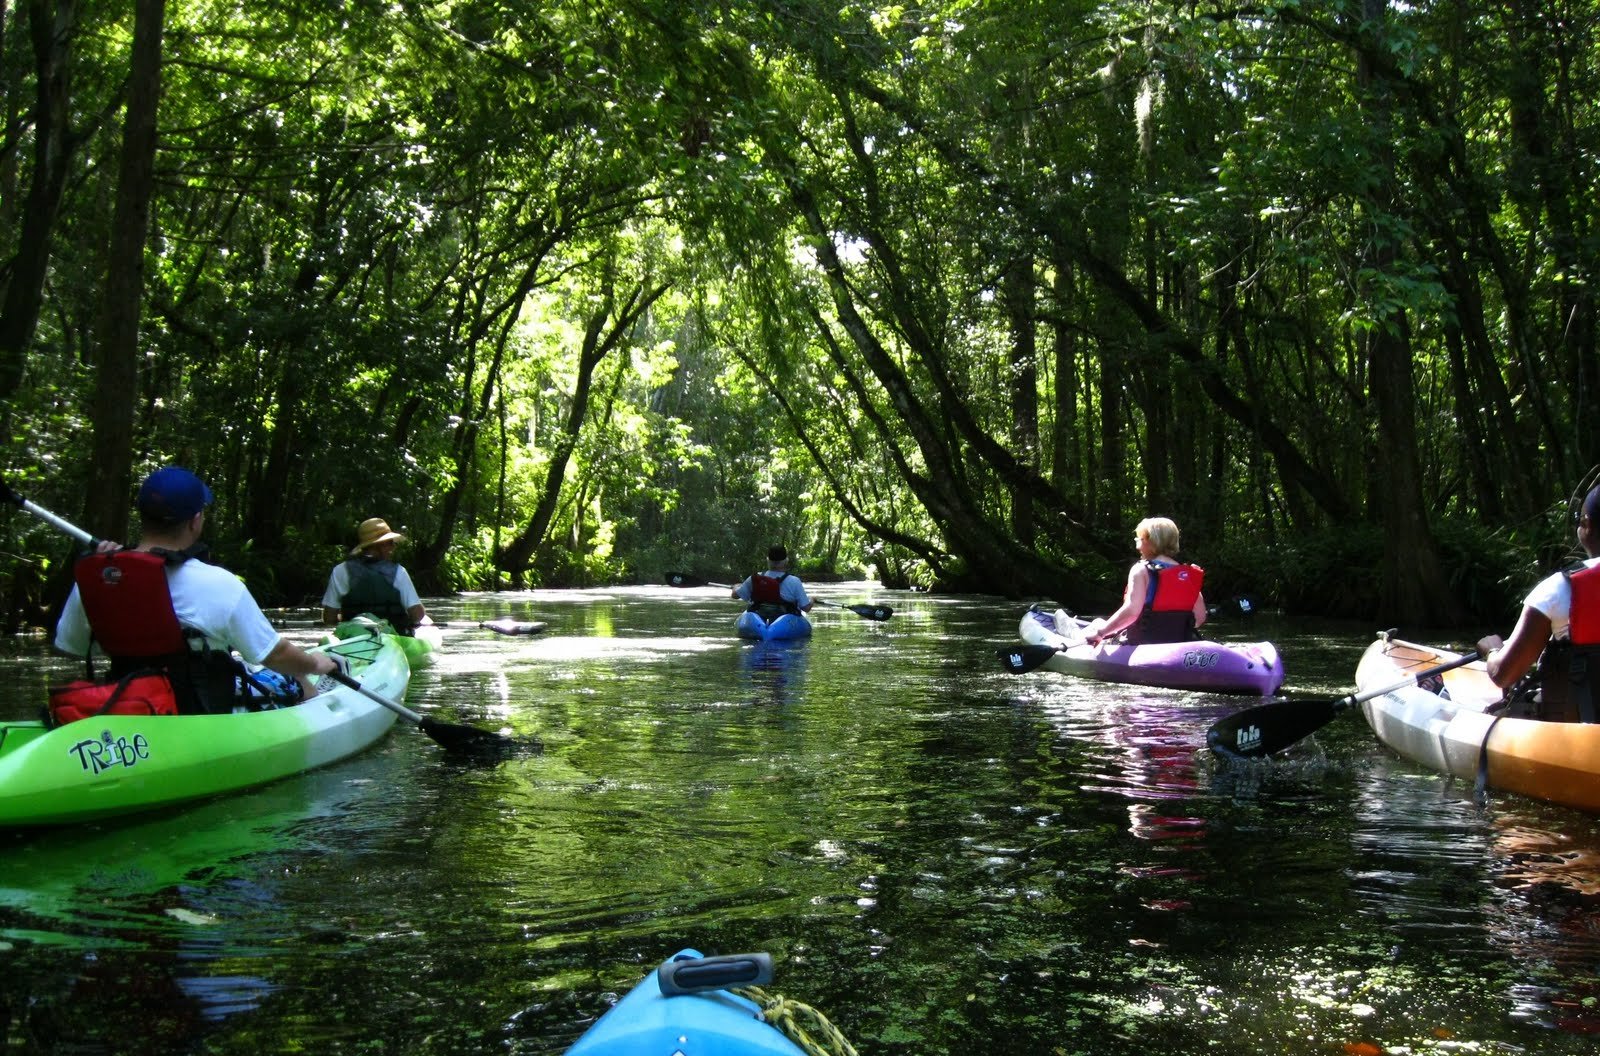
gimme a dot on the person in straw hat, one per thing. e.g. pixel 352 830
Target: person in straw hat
pixel 370 581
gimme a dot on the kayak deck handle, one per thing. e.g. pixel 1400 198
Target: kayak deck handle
pixel 695 975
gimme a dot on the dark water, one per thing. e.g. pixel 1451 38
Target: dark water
pixel 944 858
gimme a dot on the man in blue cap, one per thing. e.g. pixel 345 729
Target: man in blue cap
pixel 190 628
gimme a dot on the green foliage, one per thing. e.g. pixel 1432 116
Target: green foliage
pixel 953 292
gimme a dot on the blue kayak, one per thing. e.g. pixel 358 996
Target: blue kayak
pixel 788 626
pixel 684 1009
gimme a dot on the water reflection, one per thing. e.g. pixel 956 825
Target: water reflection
pixel 773 670
pixel 1524 875
pixel 945 858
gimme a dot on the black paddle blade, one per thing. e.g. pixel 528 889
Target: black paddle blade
pixel 1268 728
pixel 455 737
pixel 684 579
pixel 872 612
pixel 1025 658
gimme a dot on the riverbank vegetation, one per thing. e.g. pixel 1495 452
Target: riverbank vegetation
pixel 948 294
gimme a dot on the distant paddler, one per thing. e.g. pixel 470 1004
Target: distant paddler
pixel 776 591
pixel 371 581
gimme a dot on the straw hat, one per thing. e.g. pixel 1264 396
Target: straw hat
pixel 373 530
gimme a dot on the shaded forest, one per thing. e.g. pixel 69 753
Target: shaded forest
pixel 949 295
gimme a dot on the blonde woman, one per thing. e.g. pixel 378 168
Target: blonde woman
pixel 1162 602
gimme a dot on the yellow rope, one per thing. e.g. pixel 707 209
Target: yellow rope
pixel 787 1016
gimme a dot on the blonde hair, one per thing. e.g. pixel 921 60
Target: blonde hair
pixel 1161 532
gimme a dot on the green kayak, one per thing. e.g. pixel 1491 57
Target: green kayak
pixel 419 645
pixel 117 764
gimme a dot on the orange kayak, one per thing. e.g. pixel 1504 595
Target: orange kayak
pixel 1444 723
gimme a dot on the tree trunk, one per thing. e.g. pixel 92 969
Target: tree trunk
pixel 117 346
pixel 1066 450
pixel 597 343
pixel 1414 589
pixel 1022 384
pixel 51 28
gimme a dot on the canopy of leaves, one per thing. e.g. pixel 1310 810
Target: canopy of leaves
pixel 949 294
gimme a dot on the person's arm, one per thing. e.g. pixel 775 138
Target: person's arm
pixel 742 591
pixel 333 596
pixel 1508 661
pixel 1128 614
pixel 252 634
pixel 290 659
pixel 409 598
pixel 1200 613
pixel 801 600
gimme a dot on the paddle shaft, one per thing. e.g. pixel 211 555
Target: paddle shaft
pixel 393 705
pixel 878 613
pixel 452 736
pixel 1412 679
pixel 45 515
pixel 1022 659
pixel 1269 728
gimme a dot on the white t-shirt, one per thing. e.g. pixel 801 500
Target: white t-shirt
pixel 791 589
pixel 339 586
pixel 208 599
pixel 1553 597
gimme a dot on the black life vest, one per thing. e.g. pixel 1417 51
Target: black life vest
pixel 1566 686
pixel 128 603
pixel 766 594
pixel 372 590
pixel 1168 613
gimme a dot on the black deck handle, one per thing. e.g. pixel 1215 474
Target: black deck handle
pixel 697 974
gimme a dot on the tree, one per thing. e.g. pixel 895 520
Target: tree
pixel 117 343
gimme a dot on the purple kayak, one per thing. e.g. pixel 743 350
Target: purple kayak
pixel 1205 666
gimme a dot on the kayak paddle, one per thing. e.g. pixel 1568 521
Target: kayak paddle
pixel 1025 658
pixel 1272 727
pixel 450 735
pixel 1019 660
pixel 45 515
pixel 878 613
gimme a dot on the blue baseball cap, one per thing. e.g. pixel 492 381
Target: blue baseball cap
pixel 172 494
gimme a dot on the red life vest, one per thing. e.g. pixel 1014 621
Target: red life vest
pixel 1584 612
pixel 129 605
pixel 1566 679
pixel 1168 613
pixel 767 590
pixel 1176 587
